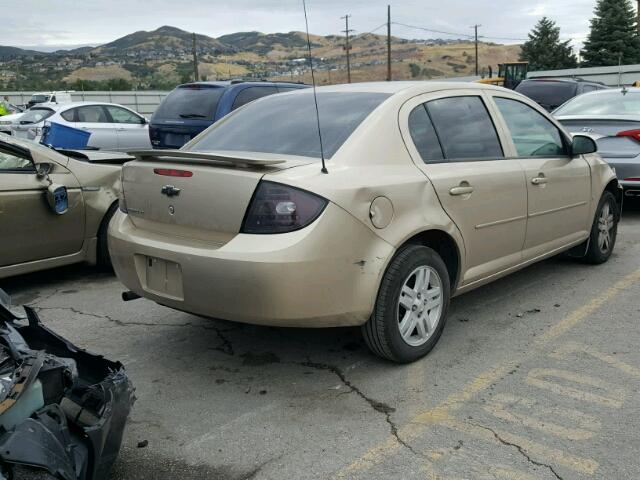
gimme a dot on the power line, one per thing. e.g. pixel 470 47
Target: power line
pixel 431 30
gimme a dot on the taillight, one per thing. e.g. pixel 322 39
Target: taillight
pixel 632 179
pixel 277 208
pixel 635 134
pixel 172 172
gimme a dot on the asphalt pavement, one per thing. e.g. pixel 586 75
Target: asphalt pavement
pixel 536 376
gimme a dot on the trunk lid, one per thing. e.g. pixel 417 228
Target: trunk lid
pixel 196 195
pixel 604 131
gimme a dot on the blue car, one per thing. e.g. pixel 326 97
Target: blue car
pixel 192 107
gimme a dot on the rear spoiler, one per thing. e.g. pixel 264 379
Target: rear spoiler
pixel 238 159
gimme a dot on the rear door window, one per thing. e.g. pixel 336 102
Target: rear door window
pixel 191 102
pixel 532 134
pixel 252 93
pixel 465 129
pixel 92 114
pixel 424 135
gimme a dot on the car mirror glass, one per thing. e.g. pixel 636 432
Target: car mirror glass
pixel 58 199
pixel 583 145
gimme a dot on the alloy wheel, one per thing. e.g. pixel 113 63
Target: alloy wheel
pixel 419 306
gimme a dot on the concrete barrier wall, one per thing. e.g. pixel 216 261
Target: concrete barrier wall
pixel 610 76
pixel 143 102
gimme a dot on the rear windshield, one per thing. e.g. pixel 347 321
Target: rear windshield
pixel 35 115
pixel 606 103
pixel 191 102
pixel 286 124
pixel 548 94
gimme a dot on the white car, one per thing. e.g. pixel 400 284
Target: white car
pixel 8 121
pixel 112 126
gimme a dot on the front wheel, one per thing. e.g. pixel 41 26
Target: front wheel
pixel 411 307
pixel 604 230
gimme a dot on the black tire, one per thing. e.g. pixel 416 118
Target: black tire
pixel 382 332
pixel 103 259
pixel 596 254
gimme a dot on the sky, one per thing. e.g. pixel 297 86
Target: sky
pixel 68 23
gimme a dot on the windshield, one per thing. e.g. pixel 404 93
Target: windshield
pixel 36 115
pixel 548 94
pixel 39 98
pixel 190 102
pixel 286 124
pixel 607 103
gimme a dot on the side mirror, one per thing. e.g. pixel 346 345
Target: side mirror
pixel 583 145
pixel 43 170
pixel 58 199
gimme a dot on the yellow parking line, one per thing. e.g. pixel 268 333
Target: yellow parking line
pixel 442 412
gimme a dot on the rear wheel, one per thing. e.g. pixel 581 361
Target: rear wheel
pixel 411 307
pixel 103 259
pixel 604 230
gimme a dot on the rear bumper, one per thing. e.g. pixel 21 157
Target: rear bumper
pixel 322 276
pixel 626 168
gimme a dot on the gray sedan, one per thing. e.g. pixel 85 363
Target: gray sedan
pixel 612 119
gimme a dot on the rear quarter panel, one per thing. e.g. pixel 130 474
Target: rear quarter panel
pixel 100 187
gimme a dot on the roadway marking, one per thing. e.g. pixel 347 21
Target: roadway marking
pixel 443 412
pixel 588 425
pixel 538 377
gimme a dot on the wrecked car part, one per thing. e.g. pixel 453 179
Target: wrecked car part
pixel 62 409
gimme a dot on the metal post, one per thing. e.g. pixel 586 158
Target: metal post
pixel 195 59
pixel 389 43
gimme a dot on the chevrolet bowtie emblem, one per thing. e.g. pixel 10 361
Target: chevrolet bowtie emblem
pixel 170 191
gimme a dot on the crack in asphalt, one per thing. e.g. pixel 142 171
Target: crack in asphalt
pixel 380 407
pixel 252 474
pixel 522 451
pixel 226 346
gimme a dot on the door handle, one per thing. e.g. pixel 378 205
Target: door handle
pixel 541 180
pixel 463 189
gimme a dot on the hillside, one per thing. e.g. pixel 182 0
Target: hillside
pixel 162 58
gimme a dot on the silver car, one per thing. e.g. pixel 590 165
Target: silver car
pixel 112 126
pixel 612 119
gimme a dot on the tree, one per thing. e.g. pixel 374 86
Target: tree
pixel 613 36
pixel 545 51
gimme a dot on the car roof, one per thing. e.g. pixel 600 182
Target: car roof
pixel 406 87
pixel 562 80
pixel 228 83
pixel 67 105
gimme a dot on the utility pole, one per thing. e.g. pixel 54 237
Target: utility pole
pixel 389 42
pixel 475 27
pixel 347 45
pixel 638 16
pixel 195 59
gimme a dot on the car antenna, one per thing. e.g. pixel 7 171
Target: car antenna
pixel 313 81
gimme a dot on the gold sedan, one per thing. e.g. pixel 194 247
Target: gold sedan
pixel 430 190
pixel 55 206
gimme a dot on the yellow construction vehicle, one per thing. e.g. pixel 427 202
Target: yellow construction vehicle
pixel 509 75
